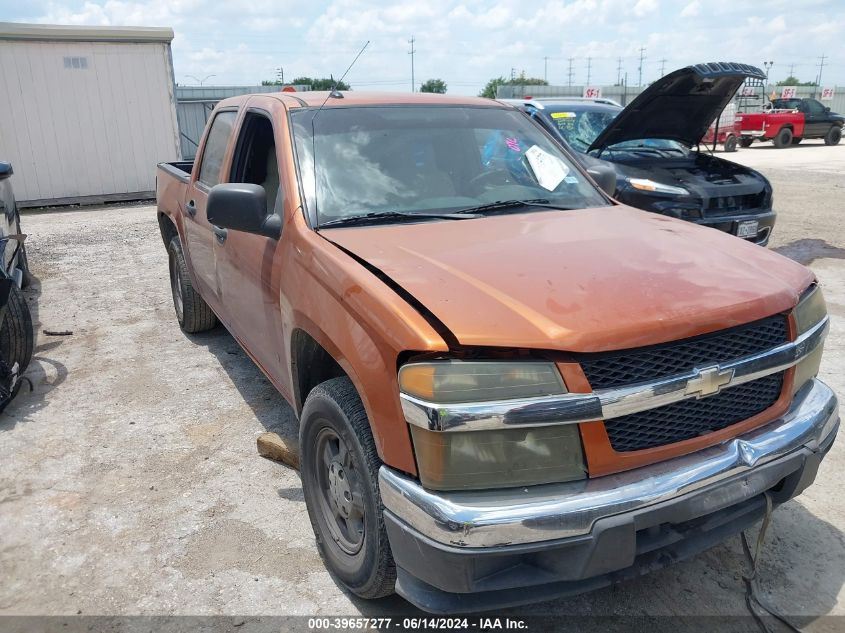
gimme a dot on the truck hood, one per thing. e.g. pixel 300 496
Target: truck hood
pixel 582 281
pixel 679 106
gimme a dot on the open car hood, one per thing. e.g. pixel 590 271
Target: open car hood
pixel 679 106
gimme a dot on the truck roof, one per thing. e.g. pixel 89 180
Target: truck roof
pixel 355 98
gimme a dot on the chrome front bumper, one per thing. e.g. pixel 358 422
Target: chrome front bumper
pixel 535 514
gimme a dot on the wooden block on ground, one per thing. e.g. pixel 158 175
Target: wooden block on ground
pixel 271 446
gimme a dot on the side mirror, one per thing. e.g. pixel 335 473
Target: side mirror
pixel 5 170
pixel 605 176
pixel 827 109
pixel 242 207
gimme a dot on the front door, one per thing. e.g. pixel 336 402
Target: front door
pixel 247 269
pixel 198 231
pixel 816 122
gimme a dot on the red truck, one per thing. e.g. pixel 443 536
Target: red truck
pixel 509 386
pixel 790 121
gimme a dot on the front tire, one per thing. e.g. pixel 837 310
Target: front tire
pixel 340 481
pixel 730 143
pixel 16 335
pixel 192 311
pixel 783 138
pixel 833 136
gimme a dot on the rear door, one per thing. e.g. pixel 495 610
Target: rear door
pixel 198 231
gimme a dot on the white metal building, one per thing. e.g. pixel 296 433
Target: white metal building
pixel 85 112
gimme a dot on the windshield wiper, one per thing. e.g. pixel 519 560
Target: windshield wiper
pixel 379 217
pixel 513 204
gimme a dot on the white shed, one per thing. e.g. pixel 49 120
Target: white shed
pixel 86 112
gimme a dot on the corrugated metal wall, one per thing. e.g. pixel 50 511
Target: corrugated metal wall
pixel 194 106
pixel 85 119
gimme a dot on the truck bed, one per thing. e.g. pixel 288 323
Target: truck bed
pixel 180 169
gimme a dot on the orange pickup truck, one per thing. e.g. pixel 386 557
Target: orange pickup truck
pixel 510 387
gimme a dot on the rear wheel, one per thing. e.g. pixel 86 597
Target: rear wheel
pixel 783 138
pixel 730 143
pixel 192 311
pixel 746 141
pixel 340 482
pixel 833 136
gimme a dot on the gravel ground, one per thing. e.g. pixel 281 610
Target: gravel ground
pixel 131 484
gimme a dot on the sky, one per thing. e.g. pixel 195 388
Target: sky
pixel 467 42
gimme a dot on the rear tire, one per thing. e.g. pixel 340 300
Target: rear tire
pixel 340 482
pixel 16 335
pixel 833 136
pixel 783 138
pixel 730 143
pixel 192 311
pixel 745 141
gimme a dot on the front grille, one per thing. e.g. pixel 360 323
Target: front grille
pixel 732 205
pixel 692 418
pixel 614 369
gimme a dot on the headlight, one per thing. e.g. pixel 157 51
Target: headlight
pixel 491 458
pixel 809 311
pixel 447 382
pixel 645 184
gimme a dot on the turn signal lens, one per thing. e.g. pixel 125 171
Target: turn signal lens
pixel 809 311
pixel 645 184
pixel 451 381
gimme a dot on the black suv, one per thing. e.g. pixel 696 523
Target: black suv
pixel 653 145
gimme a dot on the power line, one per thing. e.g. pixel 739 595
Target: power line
pixel 411 53
pixel 642 57
pixel 569 74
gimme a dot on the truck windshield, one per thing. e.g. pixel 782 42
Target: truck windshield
pixel 427 159
pixel 580 127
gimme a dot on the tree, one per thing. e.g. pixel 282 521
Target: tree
pixel 321 84
pixel 271 82
pixel 794 81
pixel 434 85
pixel 492 86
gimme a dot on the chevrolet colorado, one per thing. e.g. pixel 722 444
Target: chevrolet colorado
pixel 510 387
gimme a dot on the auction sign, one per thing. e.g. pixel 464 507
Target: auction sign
pixel 592 92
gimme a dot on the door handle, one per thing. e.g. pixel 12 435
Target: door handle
pixel 191 208
pixel 220 234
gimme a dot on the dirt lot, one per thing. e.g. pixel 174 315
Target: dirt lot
pixel 130 482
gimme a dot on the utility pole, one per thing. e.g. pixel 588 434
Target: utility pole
pixel 546 69
pixel 411 53
pixel 819 79
pixel 589 69
pixel 619 71
pixel 662 66
pixel 792 70
pixel 642 57
pixel 569 74
pixel 280 75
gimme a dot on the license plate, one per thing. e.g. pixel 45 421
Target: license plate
pixel 747 229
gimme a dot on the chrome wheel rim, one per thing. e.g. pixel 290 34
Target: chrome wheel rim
pixel 340 491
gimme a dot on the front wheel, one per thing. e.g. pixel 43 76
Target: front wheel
pixel 783 138
pixel 730 143
pixel 833 136
pixel 340 480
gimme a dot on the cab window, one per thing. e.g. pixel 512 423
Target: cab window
pixel 255 157
pixel 215 147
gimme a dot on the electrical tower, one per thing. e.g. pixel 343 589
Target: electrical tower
pixel 662 66
pixel 821 68
pixel 642 57
pixel 589 69
pixel 411 53
pixel 546 68
pixel 619 71
pixel 569 74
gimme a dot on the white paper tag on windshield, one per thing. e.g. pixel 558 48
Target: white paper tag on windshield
pixel 548 169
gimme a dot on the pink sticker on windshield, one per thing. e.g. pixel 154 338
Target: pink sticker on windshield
pixel 513 143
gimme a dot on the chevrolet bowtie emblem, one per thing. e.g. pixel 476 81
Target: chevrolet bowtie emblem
pixel 708 381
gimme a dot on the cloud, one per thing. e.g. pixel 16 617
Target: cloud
pixel 691 10
pixel 644 7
